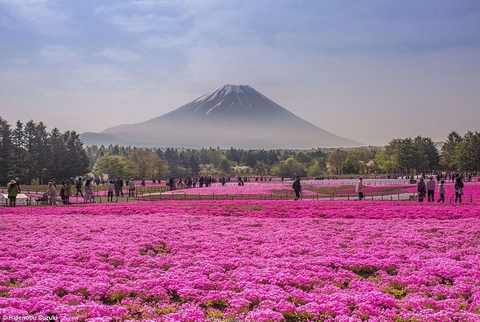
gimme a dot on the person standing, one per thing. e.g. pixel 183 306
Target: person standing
pixel 12 193
pixel 120 183
pixel 52 193
pixel 62 191
pixel 68 192
pixel 297 187
pixel 421 189
pixel 359 188
pixel 131 188
pixel 88 190
pixel 458 189
pixel 110 188
pixel 431 189
pixel 19 185
pixel 441 191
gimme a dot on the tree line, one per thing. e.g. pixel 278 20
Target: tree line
pixel 34 155
pixel 420 155
pixel 141 163
pixel 399 157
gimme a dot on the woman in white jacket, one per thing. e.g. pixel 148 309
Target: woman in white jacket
pixel 52 193
pixel 359 188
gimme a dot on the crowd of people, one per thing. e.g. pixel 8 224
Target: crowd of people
pixel 193 182
pixel 51 195
pixel 426 188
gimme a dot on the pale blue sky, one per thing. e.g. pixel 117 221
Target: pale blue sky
pixel 367 70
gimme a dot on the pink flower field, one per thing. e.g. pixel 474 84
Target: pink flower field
pixel 375 189
pixel 242 261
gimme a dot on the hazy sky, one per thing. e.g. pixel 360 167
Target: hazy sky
pixel 367 70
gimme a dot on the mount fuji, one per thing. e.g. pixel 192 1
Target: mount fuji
pixel 231 116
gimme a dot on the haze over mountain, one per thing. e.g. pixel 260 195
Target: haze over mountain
pixel 231 116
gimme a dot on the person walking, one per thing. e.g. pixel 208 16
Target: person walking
pixel 441 191
pixel 359 188
pixel 421 189
pixel 78 186
pixel 297 187
pixel 431 189
pixel 12 193
pixel 458 189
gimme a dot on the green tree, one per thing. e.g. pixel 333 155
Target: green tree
pixel 447 156
pixel 6 151
pixel 142 162
pixel 171 155
pixel 402 154
pixel 303 158
pixel 419 162
pixel 77 159
pixel 160 168
pixel 249 159
pixel 39 157
pixel 431 151
pixel 234 155
pixel 261 169
pixel 225 167
pixel 19 155
pixel 193 165
pixel 352 164
pixel 467 154
pixel 426 155
pixel 336 160
pixel 58 154
pixel 316 169
pixel 385 163
pixel 356 160
pixel 113 165
pixel 291 167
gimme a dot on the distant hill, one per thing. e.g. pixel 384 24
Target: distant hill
pixel 91 138
pixel 232 116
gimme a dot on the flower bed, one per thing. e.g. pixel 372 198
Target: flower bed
pixel 249 260
pixel 377 189
pixel 284 190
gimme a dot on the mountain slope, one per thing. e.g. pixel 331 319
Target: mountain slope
pixel 231 116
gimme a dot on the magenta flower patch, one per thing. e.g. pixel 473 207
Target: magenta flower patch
pixel 244 260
